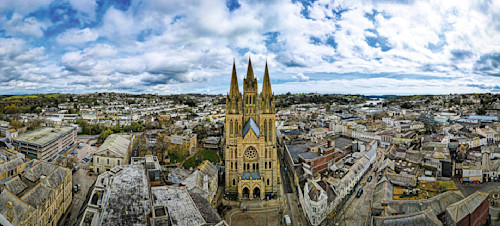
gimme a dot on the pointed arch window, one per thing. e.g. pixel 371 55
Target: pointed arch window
pixel 265 130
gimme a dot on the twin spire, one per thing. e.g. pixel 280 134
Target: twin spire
pixel 266 86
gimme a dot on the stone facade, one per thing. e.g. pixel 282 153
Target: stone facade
pixel 252 167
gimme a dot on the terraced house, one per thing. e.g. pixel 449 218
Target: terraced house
pixel 38 197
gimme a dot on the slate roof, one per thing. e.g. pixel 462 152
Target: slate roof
pixel 19 210
pixel 426 217
pixel 438 203
pixel 10 165
pixel 115 143
pixel 176 139
pixel 466 206
pixel 38 169
pixel 207 212
pixel 251 125
pixel 38 195
pixel 16 185
pixel 383 192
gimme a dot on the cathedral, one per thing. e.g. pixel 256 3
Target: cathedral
pixel 250 155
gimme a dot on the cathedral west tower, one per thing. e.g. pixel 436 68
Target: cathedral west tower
pixel 250 155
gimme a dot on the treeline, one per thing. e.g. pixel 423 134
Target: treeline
pixel 288 99
pixel 98 128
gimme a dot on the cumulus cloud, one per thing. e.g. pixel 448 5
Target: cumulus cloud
pixel 77 36
pixel 184 45
pixel 301 77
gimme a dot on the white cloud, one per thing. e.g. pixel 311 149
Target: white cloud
pixel 86 6
pixel 18 25
pixel 301 77
pixel 181 45
pixel 77 36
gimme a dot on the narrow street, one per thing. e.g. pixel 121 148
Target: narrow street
pixel 356 211
pixel 292 207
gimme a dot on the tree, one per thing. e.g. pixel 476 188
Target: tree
pixel 16 124
pixel 12 109
pixel 34 124
pixel 103 135
pixel 328 107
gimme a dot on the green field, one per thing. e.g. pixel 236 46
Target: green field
pixel 20 97
pixel 201 156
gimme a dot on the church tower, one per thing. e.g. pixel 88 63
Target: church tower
pixel 250 154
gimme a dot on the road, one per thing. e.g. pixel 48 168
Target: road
pixel 79 198
pixel 292 209
pixel 357 211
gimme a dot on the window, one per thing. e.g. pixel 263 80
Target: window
pixel 267 182
pixel 97 159
pixel 251 153
pixel 231 165
pixel 118 162
pixel 108 161
pixel 234 182
pixel 265 165
pixel 270 165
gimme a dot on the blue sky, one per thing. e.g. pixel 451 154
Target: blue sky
pixel 188 46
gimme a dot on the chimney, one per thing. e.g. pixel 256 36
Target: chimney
pixel 10 211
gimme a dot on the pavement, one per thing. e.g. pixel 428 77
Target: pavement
pixel 257 216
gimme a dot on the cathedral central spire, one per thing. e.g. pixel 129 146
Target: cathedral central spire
pixel 250 70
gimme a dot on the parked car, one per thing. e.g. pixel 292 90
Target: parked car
pixel 75 168
pixel 360 192
pixel 369 178
pixel 288 221
pixel 93 144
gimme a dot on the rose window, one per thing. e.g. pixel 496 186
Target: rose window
pixel 251 153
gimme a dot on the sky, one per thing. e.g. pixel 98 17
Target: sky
pixel 378 47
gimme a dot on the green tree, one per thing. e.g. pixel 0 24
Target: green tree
pixel 103 135
pixel 16 124
pixel 12 109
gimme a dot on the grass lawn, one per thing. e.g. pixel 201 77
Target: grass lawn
pixel 175 159
pixel 201 156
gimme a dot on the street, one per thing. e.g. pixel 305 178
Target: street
pixel 292 209
pixel 79 198
pixel 356 211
